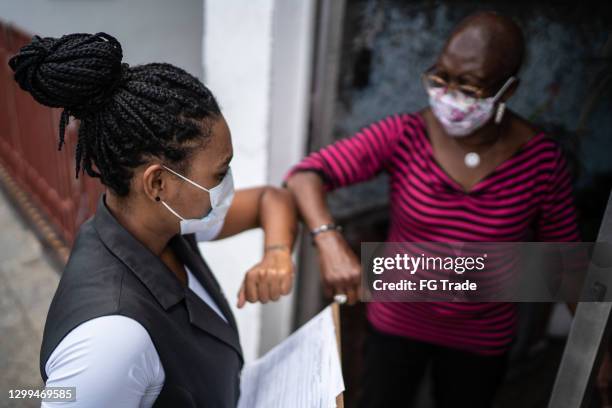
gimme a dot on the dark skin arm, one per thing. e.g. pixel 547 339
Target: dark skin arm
pixel 340 267
pixel 273 210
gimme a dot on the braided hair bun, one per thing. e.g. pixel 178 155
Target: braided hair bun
pixel 128 115
pixel 78 72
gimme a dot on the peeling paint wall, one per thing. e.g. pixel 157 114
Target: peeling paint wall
pixel 563 47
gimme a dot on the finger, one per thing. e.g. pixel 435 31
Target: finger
pixel 340 298
pixel 351 295
pixel 356 278
pixel 241 296
pixel 251 286
pixel 358 291
pixel 328 291
pixel 275 284
pixel 340 290
pixel 286 283
pixel 263 286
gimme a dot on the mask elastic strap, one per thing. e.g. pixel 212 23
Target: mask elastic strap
pixel 172 211
pixel 186 179
pixel 509 82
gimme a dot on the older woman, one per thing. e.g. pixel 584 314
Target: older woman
pixel 464 169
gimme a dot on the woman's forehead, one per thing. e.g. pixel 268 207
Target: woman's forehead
pixel 470 56
pixel 484 45
pixel 218 150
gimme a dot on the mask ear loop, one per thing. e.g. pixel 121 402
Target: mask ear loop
pixel 501 108
pixel 171 210
pixel 186 179
pixel 504 87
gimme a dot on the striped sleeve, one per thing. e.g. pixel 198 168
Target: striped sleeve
pixel 356 158
pixel 557 221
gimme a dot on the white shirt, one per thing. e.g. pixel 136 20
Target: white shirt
pixel 112 361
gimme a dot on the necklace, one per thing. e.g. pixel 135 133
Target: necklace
pixel 472 158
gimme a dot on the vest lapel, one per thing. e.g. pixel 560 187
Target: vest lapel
pixel 200 314
pixel 147 266
pixel 161 282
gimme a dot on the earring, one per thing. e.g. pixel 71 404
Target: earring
pixel 157 198
pixel 501 108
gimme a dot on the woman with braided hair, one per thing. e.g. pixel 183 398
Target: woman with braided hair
pixel 138 319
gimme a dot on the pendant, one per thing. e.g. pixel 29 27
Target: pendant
pixel 472 159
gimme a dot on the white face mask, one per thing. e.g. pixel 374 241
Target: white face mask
pixel 460 115
pixel 221 197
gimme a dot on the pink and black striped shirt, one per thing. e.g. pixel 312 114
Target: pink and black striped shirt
pixel 530 191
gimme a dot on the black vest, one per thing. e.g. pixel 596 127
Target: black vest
pixel 110 272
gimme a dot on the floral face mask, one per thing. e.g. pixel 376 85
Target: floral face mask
pixel 459 114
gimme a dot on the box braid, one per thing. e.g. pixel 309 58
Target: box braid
pixel 127 114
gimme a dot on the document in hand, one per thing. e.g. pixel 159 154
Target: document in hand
pixel 303 371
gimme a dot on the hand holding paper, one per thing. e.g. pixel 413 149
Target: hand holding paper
pixel 303 371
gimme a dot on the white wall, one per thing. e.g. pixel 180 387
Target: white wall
pixel 237 47
pixel 148 30
pixel 257 62
pixel 292 54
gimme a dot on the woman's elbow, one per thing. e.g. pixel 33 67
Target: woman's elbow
pixel 278 198
pixel 299 180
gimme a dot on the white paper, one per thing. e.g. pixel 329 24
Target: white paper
pixel 303 371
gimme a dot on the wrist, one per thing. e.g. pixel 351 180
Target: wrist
pixel 277 247
pixel 324 229
pixel 326 238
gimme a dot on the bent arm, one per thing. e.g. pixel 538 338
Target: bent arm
pixel 348 161
pixel 310 196
pixel 272 209
pixel 269 208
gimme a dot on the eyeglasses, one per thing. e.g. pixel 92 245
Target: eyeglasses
pixel 433 80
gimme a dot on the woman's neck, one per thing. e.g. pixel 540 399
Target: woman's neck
pixel 138 223
pixel 483 137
